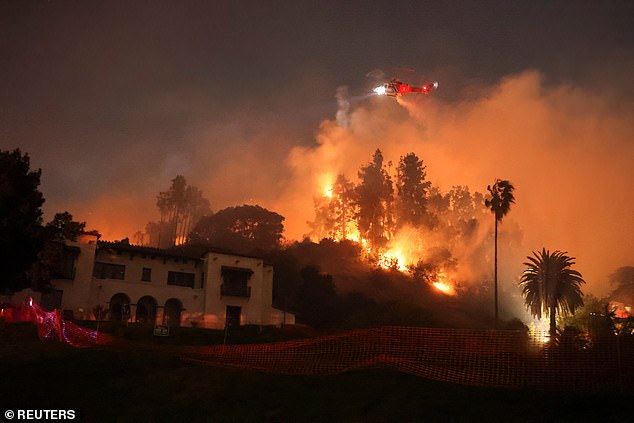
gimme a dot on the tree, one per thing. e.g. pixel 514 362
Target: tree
pixel 499 204
pixel 549 285
pixel 335 212
pixel 323 225
pixel 53 260
pixel 181 207
pixel 342 207
pixel 242 229
pixel 20 218
pixel 374 196
pixel 412 188
pixel 63 227
pixel 437 208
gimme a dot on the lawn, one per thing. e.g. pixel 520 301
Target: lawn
pixel 149 384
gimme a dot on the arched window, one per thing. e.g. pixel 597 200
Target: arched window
pixel 172 312
pixel 146 311
pixel 120 307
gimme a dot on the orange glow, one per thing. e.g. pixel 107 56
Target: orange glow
pixel 393 259
pixel 443 285
pixel 404 249
pixel 328 192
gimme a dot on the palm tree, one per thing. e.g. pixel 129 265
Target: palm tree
pixel 500 204
pixel 549 285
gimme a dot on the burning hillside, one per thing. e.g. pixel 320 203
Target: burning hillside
pixel 402 222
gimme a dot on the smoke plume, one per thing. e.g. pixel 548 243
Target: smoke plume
pixel 567 149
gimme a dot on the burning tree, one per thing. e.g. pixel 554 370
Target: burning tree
pixel 335 211
pixel 181 207
pixel 402 228
pixel 375 202
pixel 412 189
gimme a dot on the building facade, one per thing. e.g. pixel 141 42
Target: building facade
pixel 149 286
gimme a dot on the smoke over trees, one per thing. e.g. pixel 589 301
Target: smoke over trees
pixel 336 211
pixel 181 207
pixel 375 201
pixel 378 217
pixel 412 189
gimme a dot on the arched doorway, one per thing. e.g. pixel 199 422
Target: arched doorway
pixel 146 311
pixel 120 307
pixel 172 313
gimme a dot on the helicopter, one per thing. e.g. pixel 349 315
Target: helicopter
pixel 396 88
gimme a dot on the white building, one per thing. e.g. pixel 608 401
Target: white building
pixel 153 286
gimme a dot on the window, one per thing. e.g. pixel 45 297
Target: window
pixel 146 276
pixel 235 282
pixel 181 279
pixel 65 267
pixel 108 271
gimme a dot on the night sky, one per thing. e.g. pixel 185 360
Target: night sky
pixel 113 99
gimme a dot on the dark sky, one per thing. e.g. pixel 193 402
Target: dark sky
pixel 112 99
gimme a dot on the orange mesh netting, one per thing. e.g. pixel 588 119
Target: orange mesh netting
pixel 471 357
pixel 485 358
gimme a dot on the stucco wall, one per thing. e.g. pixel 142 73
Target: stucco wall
pixel 203 305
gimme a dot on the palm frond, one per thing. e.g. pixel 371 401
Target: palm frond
pixel 501 198
pixel 548 283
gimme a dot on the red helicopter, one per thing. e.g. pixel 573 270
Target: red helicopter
pixel 396 88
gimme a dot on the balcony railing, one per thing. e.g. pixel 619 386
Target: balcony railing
pixel 235 291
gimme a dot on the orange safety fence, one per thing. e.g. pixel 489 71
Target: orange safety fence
pixel 487 358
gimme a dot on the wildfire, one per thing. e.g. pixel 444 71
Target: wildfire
pixel 393 259
pixel 328 191
pixel 443 285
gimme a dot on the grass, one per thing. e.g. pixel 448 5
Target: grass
pixel 149 385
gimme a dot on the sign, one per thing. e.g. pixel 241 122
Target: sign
pixel 160 330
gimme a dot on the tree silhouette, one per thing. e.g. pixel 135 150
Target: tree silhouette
pixel 411 200
pixel 374 196
pixel 20 218
pixel 181 207
pixel 342 207
pixel 53 259
pixel 242 229
pixel 549 285
pixel 64 227
pixel 500 204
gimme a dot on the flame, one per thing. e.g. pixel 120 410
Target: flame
pixel 393 259
pixel 443 285
pixel 328 191
pixel 539 330
pixel 404 250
